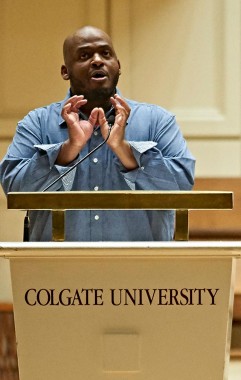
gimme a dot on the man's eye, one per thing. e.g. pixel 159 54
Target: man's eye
pixel 106 53
pixel 84 56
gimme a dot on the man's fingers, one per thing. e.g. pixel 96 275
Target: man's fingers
pixel 66 108
pixel 119 103
pixel 74 105
pixel 101 118
pixel 76 102
pixel 94 116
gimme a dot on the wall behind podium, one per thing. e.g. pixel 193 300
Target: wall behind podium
pixel 183 55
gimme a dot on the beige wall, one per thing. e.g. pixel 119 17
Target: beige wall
pixel 31 38
pixel 183 55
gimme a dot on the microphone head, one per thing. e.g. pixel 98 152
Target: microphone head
pixel 111 120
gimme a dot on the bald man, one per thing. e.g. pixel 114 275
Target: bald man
pixel 145 149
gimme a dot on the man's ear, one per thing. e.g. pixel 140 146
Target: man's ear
pixel 64 72
pixel 119 67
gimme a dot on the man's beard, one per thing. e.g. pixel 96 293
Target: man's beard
pixel 101 94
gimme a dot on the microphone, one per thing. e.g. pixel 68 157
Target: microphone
pixel 111 122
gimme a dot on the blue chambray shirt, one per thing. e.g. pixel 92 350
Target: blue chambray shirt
pixel 164 163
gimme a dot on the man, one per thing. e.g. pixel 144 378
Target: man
pixel 145 149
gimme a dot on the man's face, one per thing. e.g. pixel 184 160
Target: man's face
pixel 91 64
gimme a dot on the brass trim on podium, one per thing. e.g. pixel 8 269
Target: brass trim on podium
pixel 181 201
pixel 182 226
pixel 119 200
pixel 58 225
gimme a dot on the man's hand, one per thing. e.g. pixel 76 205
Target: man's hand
pixel 122 111
pixel 117 141
pixel 79 130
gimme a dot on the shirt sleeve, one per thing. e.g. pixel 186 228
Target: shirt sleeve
pixel 30 165
pixel 164 163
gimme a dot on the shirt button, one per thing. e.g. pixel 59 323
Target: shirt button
pixel 143 167
pixel 96 188
pixel 95 133
pixel 97 217
pixel 95 160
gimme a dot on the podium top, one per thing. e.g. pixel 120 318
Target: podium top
pixel 118 200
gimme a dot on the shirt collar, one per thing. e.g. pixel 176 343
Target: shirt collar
pixel 62 122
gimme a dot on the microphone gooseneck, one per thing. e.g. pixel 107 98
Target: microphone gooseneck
pixel 111 121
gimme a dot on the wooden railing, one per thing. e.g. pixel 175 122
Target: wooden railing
pixel 8 355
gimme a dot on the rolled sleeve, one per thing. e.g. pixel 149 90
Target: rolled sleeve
pixel 52 151
pixel 155 172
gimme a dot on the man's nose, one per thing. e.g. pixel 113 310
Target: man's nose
pixel 97 59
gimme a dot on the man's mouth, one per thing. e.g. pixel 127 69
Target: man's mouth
pixel 99 75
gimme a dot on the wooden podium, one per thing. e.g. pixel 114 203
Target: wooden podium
pixel 106 311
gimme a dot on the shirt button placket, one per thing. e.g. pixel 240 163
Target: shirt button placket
pixel 95 183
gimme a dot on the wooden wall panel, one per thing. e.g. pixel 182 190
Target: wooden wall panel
pixel 32 35
pixel 185 56
pixel 8 349
pixel 216 157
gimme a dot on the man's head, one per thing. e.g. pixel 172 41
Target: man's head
pixel 91 64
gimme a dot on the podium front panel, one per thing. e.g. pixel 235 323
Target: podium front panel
pixel 111 314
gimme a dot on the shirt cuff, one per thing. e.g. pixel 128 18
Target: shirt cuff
pixel 52 151
pixel 140 147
